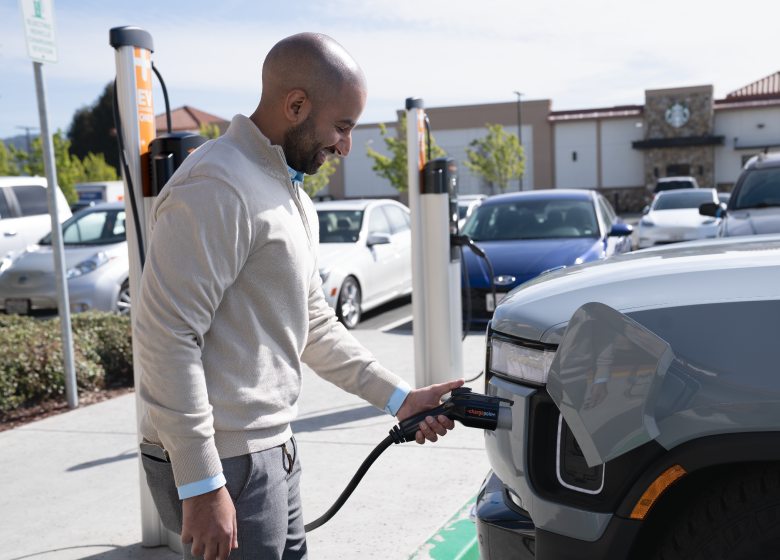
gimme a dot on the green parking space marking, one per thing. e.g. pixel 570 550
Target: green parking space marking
pixel 456 540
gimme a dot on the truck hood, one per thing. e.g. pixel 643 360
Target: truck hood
pixel 730 269
pixel 756 221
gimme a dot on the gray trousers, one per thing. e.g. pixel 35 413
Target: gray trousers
pixel 267 500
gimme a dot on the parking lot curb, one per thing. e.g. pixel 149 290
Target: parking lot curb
pixel 454 540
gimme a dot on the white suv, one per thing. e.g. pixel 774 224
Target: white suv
pixel 24 212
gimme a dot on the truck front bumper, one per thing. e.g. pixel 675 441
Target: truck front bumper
pixel 506 532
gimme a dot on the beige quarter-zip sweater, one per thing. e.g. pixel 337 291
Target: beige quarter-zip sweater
pixel 231 305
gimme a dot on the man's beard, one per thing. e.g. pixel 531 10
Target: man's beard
pixel 301 147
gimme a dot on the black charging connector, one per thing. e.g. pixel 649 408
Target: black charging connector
pixel 473 410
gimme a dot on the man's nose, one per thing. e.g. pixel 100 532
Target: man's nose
pixel 344 145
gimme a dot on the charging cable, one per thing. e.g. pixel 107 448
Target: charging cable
pixel 473 410
pixel 125 167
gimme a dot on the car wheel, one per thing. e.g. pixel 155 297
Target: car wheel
pixel 123 301
pixel 348 304
pixel 737 517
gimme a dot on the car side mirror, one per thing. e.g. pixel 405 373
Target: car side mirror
pixel 378 239
pixel 619 230
pixel 646 210
pixel 713 209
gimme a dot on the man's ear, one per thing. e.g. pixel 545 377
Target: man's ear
pixel 297 106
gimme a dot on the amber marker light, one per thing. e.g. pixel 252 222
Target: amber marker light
pixel 670 475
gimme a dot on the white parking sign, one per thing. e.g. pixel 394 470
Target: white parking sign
pixel 39 29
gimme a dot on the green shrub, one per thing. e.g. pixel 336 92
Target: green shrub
pixel 31 366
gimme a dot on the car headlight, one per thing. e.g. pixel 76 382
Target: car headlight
pixel 324 275
pixel 95 261
pixel 646 222
pixel 520 362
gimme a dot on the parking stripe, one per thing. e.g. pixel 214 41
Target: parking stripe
pixel 455 540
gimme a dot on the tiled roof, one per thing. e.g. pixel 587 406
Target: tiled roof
pixel 605 113
pixel 763 87
pixel 185 118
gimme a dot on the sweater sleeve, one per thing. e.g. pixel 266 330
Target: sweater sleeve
pixel 335 355
pixel 200 240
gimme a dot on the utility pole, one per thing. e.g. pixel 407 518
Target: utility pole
pixel 29 141
pixel 519 130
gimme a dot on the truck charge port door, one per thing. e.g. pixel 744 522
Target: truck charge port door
pixel 605 379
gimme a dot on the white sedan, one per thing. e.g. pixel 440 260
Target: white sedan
pixel 365 255
pixel 674 216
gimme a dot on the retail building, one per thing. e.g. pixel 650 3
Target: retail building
pixel 621 151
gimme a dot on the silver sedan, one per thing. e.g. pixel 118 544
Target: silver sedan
pixel 96 262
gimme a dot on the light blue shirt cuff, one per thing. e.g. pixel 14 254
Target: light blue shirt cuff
pixel 397 398
pixel 201 486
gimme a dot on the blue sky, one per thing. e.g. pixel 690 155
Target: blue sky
pixel 579 54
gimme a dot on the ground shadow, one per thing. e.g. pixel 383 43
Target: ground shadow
pixel 317 423
pixel 107 460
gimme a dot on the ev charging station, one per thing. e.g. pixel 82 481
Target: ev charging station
pixel 436 263
pixel 147 164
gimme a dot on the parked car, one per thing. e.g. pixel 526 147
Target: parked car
pixel 674 216
pixel 24 212
pixel 674 183
pixel 646 408
pixel 96 264
pixel 467 203
pixel 365 255
pixel 754 206
pixel 525 234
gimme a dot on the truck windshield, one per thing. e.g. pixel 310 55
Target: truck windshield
pixel 340 226
pixel 533 219
pixel 683 200
pixel 760 189
pixel 101 227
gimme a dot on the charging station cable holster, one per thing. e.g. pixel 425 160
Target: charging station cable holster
pixel 473 410
pixel 166 154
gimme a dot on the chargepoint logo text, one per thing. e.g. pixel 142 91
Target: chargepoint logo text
pixel 482 413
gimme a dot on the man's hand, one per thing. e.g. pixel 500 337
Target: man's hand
pixel 210 523
pixel 424 399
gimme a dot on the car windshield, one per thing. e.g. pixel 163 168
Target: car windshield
pixel 682 200
pixel 100 227
pixel 673 185
pixel 760 189
pixel 340 226
pixel 532 219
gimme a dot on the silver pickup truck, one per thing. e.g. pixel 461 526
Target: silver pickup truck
pixel 646 415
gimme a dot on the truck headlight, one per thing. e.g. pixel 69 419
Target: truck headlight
pixel 93 262
pixel 520 362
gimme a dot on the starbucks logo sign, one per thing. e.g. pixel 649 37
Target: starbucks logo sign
pixel 678 114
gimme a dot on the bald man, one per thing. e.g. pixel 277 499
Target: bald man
pixel 231 307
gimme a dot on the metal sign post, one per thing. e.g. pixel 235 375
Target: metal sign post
pixel 133 48
pixel 436 299
pixel 41 36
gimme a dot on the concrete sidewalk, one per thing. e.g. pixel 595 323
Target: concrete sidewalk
pixel 70 483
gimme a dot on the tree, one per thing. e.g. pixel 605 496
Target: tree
pixel 498 159
pixel 210 131
pixel 394 168
pixel 312 184
pixel 8 165
pixel 70 169
pixel 92 129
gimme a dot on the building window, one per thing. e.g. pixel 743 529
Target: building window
pixel 655 171
pixel 574 156
pixel 678 169
pixel 745 159
pixel 701 170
